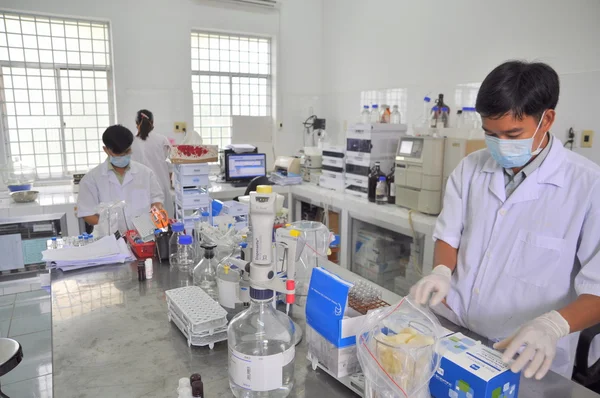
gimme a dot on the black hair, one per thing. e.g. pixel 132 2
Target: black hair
pixel 117 138
pixel 520 88
pixel 145 122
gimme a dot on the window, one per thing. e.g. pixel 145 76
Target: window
pixel 390 97
pixel 231 75
pixel 55 91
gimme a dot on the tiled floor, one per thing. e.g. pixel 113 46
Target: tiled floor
pixel 25 317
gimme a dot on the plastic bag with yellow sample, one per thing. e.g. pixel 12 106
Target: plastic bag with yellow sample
pixel 398 351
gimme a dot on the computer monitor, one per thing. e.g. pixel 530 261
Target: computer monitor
pixel 245 166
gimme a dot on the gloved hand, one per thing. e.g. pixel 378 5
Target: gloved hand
pixel 540 337
pixel 438 283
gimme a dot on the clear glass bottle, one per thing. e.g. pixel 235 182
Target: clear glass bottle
pixel 186 254
pixel 53 243
pixel 384 114
pixel 374 114
pixel 365 115
pixel 435 117
pixel 261 343
pixel 205 272
pixel 445 117
pixel 395 117
pixel 177 229
pixel 381 191
pixel 425 119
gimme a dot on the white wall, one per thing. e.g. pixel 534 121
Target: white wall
pixel 432 46
pixel 152 57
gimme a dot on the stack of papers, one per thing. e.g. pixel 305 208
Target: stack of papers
pixel 279 178
pixel 107 250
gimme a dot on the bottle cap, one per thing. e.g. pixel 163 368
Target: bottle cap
pixel 157 231
pixel 374 106
pixel 185 240
pixel 80 237
pixel 205 214
pixel 54 238
pixel 243 245
pixel 177 227
pixel 195 377
pixel 91 236
pixel 381 178
pixel 366 106
pixel 264 189
pixel 427 99
pixel 435 108
pixel 445 108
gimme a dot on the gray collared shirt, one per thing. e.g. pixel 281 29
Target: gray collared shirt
pixel 512 181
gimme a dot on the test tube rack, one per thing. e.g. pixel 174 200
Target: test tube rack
pixel 191 186
pixel 201 319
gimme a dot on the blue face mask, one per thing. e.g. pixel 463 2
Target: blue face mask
pixel 513 153
pixel 120 161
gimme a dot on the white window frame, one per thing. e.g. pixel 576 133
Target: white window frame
pixel 197 116
pixel 6 154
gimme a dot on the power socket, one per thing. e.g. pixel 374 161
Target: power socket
pixel 587 138
pixel 180 127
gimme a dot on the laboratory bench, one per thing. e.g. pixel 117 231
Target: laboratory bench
pixel 111 337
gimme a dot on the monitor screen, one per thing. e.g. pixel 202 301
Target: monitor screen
pixel 246 166
pixel 406 147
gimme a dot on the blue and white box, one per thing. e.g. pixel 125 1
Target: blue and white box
pixel 331 324
pixel 469 369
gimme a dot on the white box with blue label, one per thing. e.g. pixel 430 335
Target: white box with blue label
pixel 331 324
pixel 469 369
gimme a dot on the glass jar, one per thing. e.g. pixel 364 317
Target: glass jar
pixel 177 229
pixel 185 253
pixel 261 343
pixel 205 272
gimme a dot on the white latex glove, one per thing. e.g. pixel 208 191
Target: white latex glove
pixel 438 283
pixel 540 337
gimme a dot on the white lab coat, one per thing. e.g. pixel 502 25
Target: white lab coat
pixel 139 190
pixel 153 153
pixel 522 256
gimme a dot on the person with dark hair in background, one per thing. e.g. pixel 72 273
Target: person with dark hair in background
pixel 118 178
pixel 517 249
pixel 152 150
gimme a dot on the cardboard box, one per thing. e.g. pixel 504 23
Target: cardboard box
pixel 332 325
pixel 339 361
pixel 471 370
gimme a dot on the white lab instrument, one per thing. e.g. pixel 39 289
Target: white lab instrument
pixel 190 182
pixel 290 243
pixel 456 149
pixel 419 171
pixel 261 339
pixel 365 145
pixel 287 164
pixel 333 168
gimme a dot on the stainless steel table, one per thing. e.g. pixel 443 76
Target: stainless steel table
pixel 111 338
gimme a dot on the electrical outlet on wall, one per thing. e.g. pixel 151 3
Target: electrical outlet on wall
pixel 180 127
pixel 587 138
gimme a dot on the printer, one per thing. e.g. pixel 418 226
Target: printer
pixel 287 164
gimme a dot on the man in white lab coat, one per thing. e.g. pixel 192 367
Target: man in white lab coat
pixel 118 179
pixel 517 249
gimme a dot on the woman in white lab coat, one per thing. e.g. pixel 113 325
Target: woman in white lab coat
pixel 118 179
pixel 152 150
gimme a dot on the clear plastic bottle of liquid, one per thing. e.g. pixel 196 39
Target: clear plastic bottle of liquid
pixel 177 229
pixel 374 114
pixel 185 253
pixel 445 117
pixel 381 191
pixel 365 115
pixel 395 117
pixel 53 243
pixel 261 344
pixel 205 272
